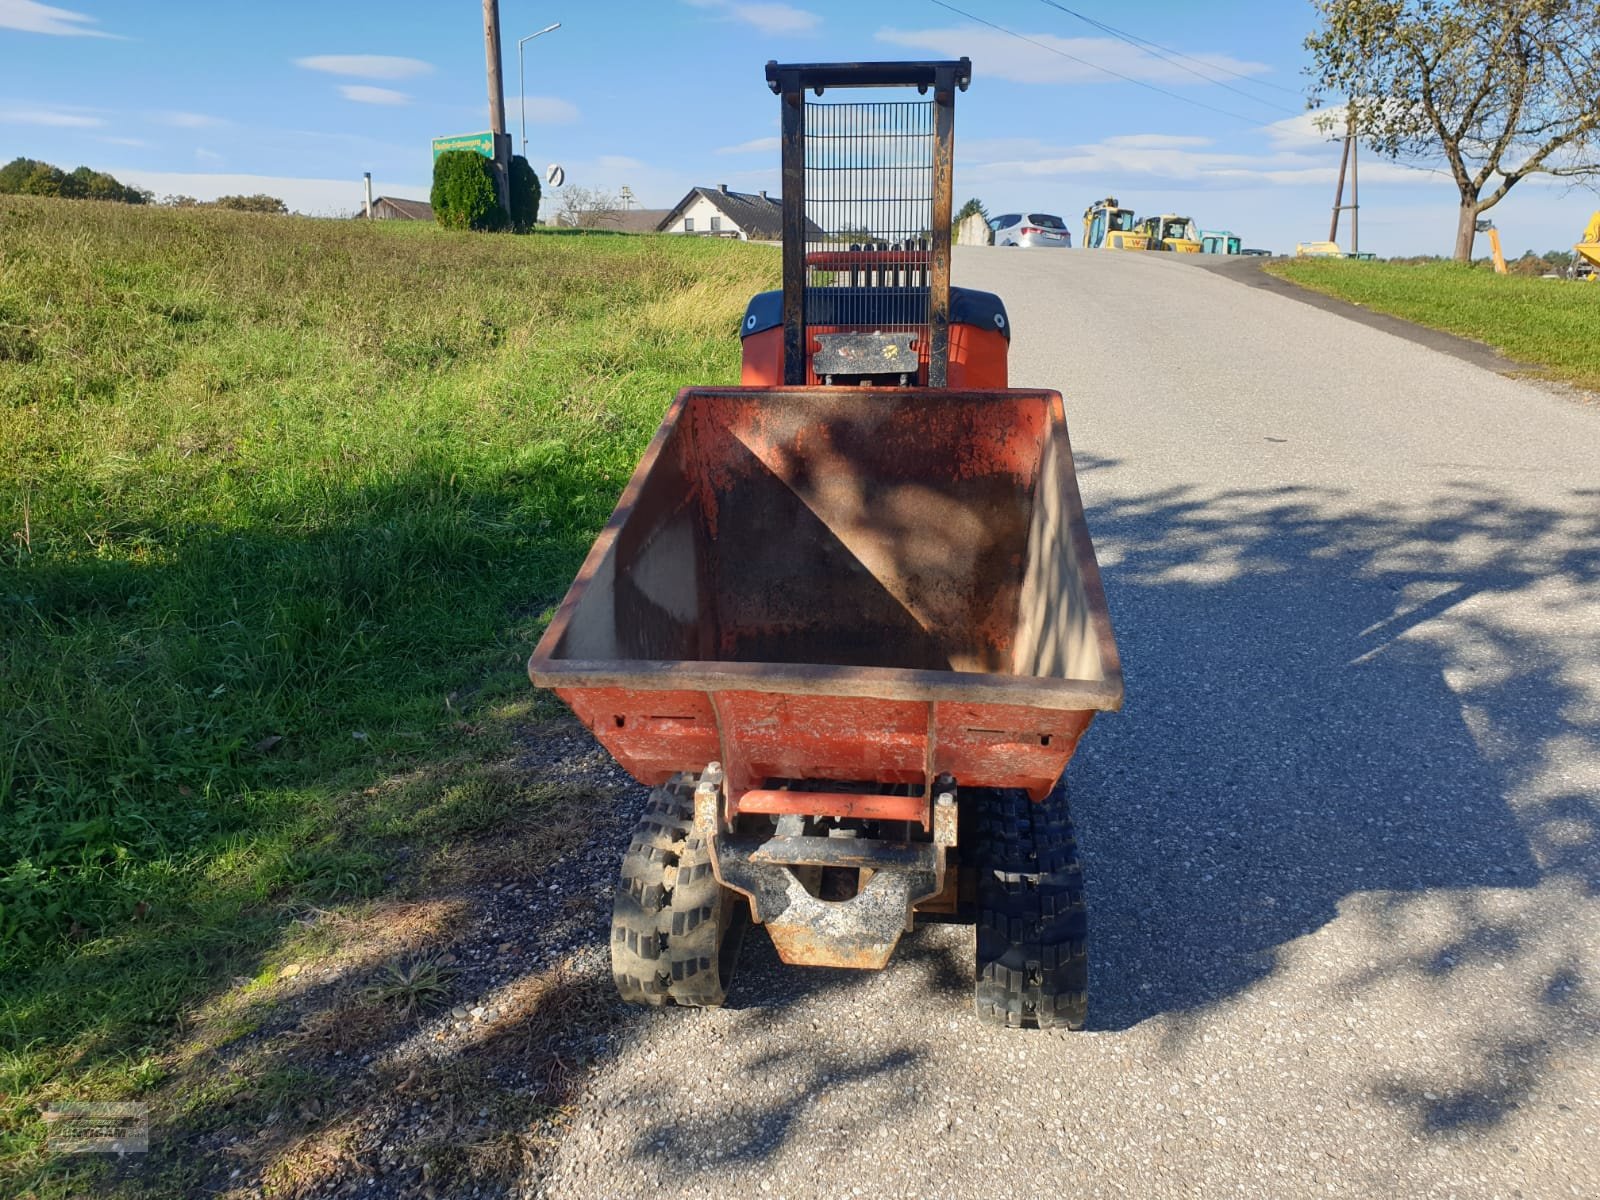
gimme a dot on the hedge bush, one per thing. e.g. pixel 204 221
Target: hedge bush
pixel 525 194
pixel 463 195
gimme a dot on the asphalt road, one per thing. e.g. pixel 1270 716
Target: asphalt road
pixel 1343 844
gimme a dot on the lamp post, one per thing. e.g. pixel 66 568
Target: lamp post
pixel 522 91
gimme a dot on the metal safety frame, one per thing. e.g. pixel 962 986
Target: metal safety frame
pixel 861 148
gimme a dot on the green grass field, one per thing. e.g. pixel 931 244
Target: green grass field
pixel 1551 324
pixel 285 503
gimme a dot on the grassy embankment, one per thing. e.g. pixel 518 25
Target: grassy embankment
pixel 284 502
pixel 1549 323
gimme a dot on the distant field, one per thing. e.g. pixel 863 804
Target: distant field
pixel 1550 323
pixel 284 502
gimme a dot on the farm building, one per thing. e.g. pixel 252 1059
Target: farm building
pixel 717 212
pixel 392 208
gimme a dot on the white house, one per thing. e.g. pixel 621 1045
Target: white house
pixel 717 212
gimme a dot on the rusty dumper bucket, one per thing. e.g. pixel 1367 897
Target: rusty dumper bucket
pixel 839 629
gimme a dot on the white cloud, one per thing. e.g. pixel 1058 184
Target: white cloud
pixel 1010 58
pixel 187 120
pixel 32 17
pixel 366 66
pixel 125 141
pixel 363 93
pixel 58 118
pixel 777 20
pixel 1304 131
pixel 319 197
pixel 551 110
pixel 1147 158
pixel 753 146
pixel 204 155
pixel 1157 141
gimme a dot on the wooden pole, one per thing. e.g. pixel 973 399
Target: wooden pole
pixel 497 105
pixel 1338 193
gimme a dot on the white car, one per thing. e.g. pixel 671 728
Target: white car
pixel 1030 229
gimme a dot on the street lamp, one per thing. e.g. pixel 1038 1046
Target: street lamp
pixel 522 91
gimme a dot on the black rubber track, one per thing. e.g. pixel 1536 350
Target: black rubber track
pixel 1033 966
pixel 674 929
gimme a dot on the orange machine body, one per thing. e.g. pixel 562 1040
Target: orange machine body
pixel 980 339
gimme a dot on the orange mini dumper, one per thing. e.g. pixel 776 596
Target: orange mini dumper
pixel 846 621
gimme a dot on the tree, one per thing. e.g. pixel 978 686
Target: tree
pixel 589 208
pixel 258 203
pixel 1501 89
pixel 464 195
pixel 30 177
pixel 972 206
pixel 524 195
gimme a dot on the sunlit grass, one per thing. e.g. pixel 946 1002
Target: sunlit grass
pixel 1551 324
pixel 282 505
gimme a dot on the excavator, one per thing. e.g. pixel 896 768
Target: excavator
pixel 1169 232
pixel 1109 226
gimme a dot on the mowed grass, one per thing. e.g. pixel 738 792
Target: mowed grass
pixel 283 506
pixel 1551 324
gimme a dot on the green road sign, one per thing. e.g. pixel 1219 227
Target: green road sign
pixel 481 143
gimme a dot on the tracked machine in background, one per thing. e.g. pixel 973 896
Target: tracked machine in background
pixel 1107 225
pixel 1170 232
pixel 1221 241
pixel 1588 250
pixel 846 621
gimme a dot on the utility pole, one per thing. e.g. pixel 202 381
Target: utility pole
pixel 1347 158
pixel 497 106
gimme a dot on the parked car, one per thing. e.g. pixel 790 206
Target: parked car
pixel 1030 229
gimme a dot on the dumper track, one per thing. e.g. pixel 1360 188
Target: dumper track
pixel 674 929
pixel 1032 960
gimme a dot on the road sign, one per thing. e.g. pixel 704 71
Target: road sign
pixel 554 175
pixel 478 143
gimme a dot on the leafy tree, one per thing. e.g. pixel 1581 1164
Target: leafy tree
pixel 44 180
pixel 30 177
pixel 589 208
pixel 972 206
pixel 524 195
pixel 14 172
pixel 463 195
pixel 258 203
pixel 1501 89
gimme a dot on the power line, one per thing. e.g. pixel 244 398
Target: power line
pixel 1161 52
pixel 1253 121
pixel 1134 39
pixel 1097 67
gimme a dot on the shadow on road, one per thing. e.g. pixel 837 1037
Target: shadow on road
pixel 1328 710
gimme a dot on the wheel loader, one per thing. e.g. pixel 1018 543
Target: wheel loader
pixel 1107 225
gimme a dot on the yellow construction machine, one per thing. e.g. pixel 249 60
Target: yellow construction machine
pixel 1169 232
pixel 1108 226
pixel 1588 250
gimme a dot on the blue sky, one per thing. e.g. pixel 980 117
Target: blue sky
pixel 299 98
